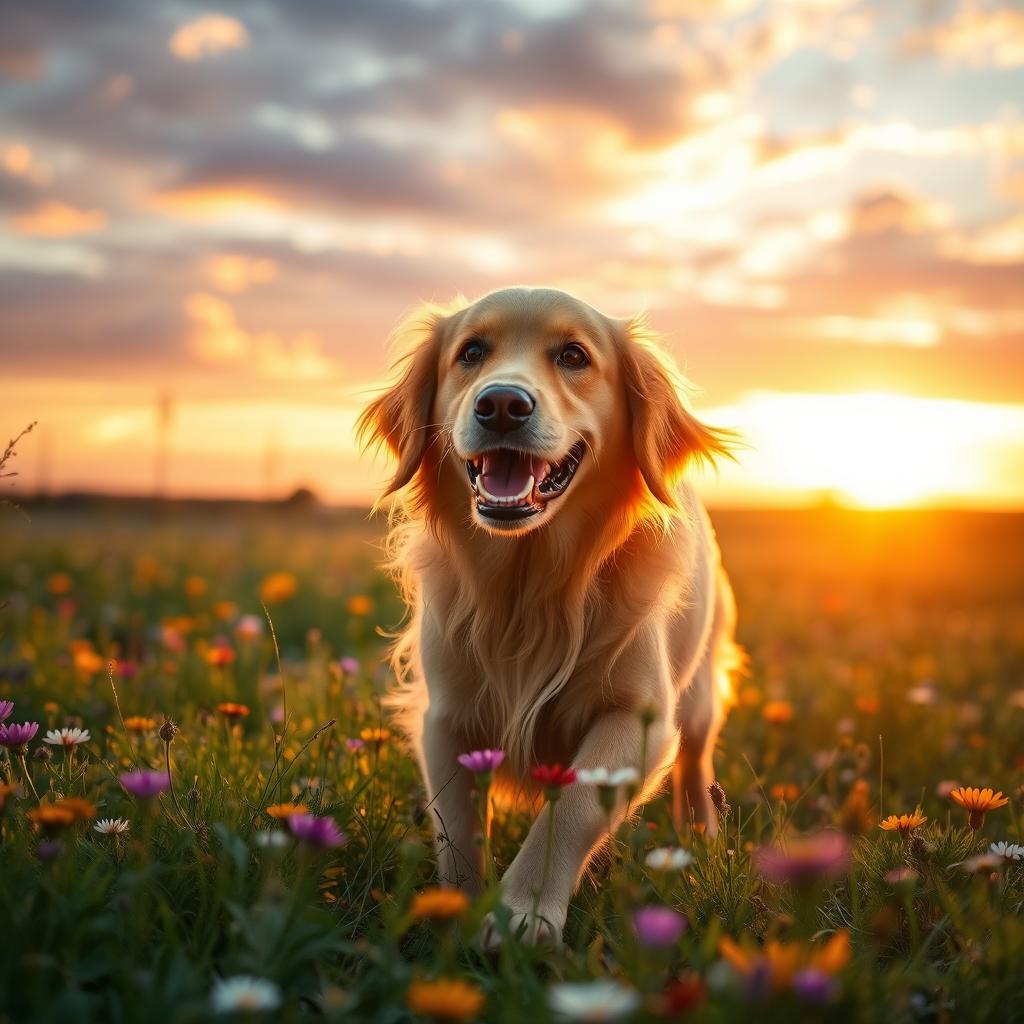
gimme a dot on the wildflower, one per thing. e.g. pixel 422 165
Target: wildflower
pixel 111 826
pixel 903 823
pixel 445 999
pixel 48 849
pixel 231 710
pixel 144 785
pixel 922 695
pixel 66 737
pixel 607 777
pixel 359 604
pixel 978 802
pixel 787 792
pixel 168 731
pixel 682 995
pixel 553 777
pixel 249 627
pixel 600 1000
pixel 244 994
pixel 194 586
pixel 80 808
pixel 814 986
pixel 7 789
pixel 775 966
pixel 6 708
pixel 16 737
pixel 219 655
pixel 319 833
pixel 718 798
pixel 281 811
pixel 438 904
pixel 481 762
pixel 983 864
pixel 945 787
pixel 669 858
pixel 277 587
pixel 1008 851
pixel 354 743
pixel 271 839
pixel 349 666
pixel 902 877
pixel 376 735
pixel 818 857
pixel 60 583
pixel 43 755
pixel 659 927
pixel 855 815
pixel 51 817
pixel 139 723
pixel 867 704
pixel 777 712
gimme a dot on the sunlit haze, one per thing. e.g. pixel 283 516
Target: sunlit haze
pixel 212 217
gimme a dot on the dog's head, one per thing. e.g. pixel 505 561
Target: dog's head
pixel 534 397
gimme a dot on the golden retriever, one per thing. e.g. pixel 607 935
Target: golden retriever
pixel 567 603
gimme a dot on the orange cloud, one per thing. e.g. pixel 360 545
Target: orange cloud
pixel 58 220
pixel 978 38
pixel 207 36
pixel 212 202
pixel 235 274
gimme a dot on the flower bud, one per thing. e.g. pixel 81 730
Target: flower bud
pixel 168 731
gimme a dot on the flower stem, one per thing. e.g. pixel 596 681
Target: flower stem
pixel 28 777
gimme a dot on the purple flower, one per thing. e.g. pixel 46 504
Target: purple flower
pixel 6 707
pixel 480 761
pixel 145 784
pixel 321 833
pixel 814 986
pixel 48 849
pixel 659 927
pixel 15 736
pixel 818 857
pixel 354 743
pixel 349 666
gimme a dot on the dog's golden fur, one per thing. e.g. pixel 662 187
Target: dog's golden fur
pixel 548 641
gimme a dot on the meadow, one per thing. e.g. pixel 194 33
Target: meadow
pixel 275 862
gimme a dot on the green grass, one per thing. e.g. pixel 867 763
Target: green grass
pixel 922 613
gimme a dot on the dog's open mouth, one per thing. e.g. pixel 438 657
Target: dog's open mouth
pixel 511 484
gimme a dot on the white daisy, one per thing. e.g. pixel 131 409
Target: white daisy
pixel 607 777
pixel 111 826
pixel 1008 851
pixel 669 858
pixel 67 737
pixel 244 993
pixel 592 1000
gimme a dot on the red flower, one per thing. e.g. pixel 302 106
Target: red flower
pixel 553 776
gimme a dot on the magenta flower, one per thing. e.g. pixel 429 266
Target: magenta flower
pixel 659 927
pixel 144 785
pixel 320 833
pixel 480 761
pixel 814 986
pixel 349 666
pixel 15 736
pixel 355 743
pixel 816 858
pixel 6 707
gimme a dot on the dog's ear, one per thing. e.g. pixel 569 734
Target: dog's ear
pixel 666 435
pixel 400 418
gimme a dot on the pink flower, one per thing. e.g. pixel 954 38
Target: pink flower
pixel 481 761
pixel 349 666
pixel 320 833
pixel 144 785
pixel 355 743
pixel 17 736
pixel 6 707
pixel 821 856
pixel 659 927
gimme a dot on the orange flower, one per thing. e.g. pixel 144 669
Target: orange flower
pixel 777 712
pixel 438 904
pixel 359 604
pixel 60 583
pixel 194 586
pixel 231 710
pixel 50 817
pixel 445 999
pixel 855 816
pixel 87 661
pixel 785 791
pixel 286 810
pixel 139 723
pixel 781 961
pixel 978 802
pixel 867 705
pixel 220 656
pixel 375 735
pixel 278 586
pixel 81 809
pixel 903 823
pixel 7 789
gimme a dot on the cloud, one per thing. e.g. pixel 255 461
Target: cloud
pixel 207 36
pixel 54 219
pixel 234 274
pixel 975 36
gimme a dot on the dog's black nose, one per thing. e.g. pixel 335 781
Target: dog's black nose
pixel 503 408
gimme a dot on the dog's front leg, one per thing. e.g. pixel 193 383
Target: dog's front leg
pixel 451 806
pixel 539 883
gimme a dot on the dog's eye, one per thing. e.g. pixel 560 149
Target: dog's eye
pixel 573 356
pixel 471 352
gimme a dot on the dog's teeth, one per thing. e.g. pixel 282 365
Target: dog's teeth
pixel 512 499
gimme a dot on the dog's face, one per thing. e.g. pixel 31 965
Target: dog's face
pixel 540 402
pixel 530 390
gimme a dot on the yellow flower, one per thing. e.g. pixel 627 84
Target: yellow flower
pixel 978 802
pixel 777 712
pixel 903 823
pixel 278 586
pixel 359 604
pixel 438 904
pixel 375 735
pixel 286 810
pixel 139 723
pixel 446 999
pixel 231 710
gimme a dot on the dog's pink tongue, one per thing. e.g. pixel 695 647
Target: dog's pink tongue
pixel 506 473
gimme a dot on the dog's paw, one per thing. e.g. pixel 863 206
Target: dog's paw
pixel 532 929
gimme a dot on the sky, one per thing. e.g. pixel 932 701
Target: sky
pixel 212 217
